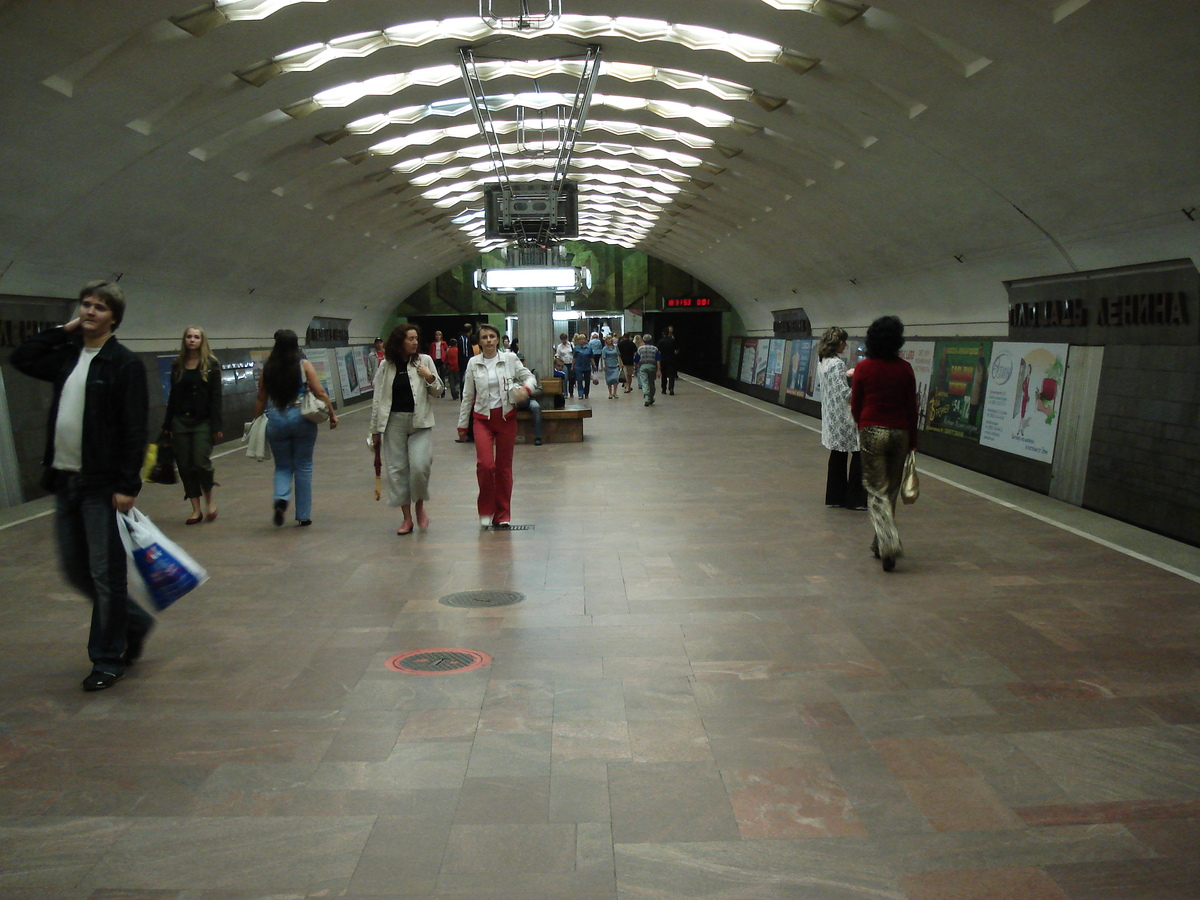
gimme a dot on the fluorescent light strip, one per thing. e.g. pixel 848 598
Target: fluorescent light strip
pixel 486 169
pixel 481 151
pixel 409 115
pixel 464 132
pixel 474 30
pixel 437 76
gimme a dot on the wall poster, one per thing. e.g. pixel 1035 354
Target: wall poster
pixel 919 355
pixel 1020 413
pixel 352 371
pixel 958 387
pixel 749 355
pixel 734 366
pixel 773 375
pixel 319 359
pixel 800 354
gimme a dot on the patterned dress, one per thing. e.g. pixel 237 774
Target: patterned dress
pixel 838 431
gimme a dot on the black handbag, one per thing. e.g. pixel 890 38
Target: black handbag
pixel 163 471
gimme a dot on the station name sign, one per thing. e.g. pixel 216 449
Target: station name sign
pixel 1150 304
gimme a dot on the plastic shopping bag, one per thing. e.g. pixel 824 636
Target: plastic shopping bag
pixel 163 568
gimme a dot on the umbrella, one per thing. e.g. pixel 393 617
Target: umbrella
pixel 378 469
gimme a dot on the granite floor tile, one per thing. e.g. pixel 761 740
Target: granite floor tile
pixel 720 695
pixel 982 884
pixel 669 802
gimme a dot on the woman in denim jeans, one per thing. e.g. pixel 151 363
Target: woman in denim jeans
pixel 285 377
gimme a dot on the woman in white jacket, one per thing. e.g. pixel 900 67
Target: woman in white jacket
pixel 402 422
pixel 494 382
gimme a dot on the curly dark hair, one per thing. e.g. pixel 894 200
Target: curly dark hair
pixel 885 337
pixel 393 348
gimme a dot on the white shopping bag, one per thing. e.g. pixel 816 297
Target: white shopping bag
pixel 163 570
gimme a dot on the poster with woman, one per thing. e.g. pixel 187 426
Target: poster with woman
pixel 958 387
pixel 1020 414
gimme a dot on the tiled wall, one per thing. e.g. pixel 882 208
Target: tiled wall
pixel 1144 466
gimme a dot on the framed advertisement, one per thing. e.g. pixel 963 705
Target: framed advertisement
pixel 1020 414
pixel 958 387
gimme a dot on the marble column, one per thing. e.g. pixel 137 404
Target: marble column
pixel 535 330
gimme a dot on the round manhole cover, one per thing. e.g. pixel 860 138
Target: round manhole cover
pixel 433 662
pixel 482 599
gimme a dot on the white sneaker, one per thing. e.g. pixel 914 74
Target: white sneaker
pixel 485 521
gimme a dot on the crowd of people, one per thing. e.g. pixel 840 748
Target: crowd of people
pixel 97 431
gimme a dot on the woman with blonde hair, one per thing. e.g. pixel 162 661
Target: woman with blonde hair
pixel 193 419
pixel 402 421
pixel 839 434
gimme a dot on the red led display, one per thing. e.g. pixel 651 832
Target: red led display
pixel 686 302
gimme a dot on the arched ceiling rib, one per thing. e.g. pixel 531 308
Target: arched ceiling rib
pixel 823 139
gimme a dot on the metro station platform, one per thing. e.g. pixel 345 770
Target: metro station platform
pixel 709 690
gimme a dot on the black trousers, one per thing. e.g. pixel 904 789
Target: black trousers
pixel 842 488
pixel 669 371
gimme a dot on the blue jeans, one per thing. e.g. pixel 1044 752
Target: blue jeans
pixel 93 561
pixel 535 411
pixel 292 438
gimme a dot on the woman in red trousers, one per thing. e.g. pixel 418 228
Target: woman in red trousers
pixel 494 383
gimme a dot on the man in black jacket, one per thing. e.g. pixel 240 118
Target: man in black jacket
pixel 670 352
pixel 95 442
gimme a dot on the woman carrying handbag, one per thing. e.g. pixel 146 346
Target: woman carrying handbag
pixel 286 378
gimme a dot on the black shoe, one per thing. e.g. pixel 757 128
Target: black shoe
pixel 537 442
pixel 135 642
pixel 280 509
pixel 672 392
pixel 100 680
pixel 889 563
pixel 304 523
pixel 504 526
pixel 647 403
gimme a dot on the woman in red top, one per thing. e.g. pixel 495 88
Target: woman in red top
pixel 438 351
pixel 883 401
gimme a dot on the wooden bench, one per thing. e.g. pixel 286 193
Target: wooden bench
pixel 552 392
pixel 559 426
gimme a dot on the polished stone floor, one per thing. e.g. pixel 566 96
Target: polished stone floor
pixel 710 690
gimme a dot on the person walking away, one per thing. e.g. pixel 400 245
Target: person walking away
pixel 669 350
pixel 564 355
pixel 402 422
pixel 595 345
pixel 193 419
pixel 628 350
pixel 610 359
pixel 453 372
pixel 464 342
pixel 95 441
pixel 286 375
pixel 438 351
pixel 649 362
pixel 495 382
pixel 583 366
pixel 839 434
pixel 883 401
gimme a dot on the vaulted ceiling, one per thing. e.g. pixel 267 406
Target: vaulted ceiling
pixel 256 162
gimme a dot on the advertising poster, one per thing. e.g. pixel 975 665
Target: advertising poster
pixel 958 388
pixel 749 355
pixel 799 356
pixel 1020 413
pixel 735 358
pixel 320 364
pixel 352 371
pixel 773 376
pixel 760 362
pixel 919 355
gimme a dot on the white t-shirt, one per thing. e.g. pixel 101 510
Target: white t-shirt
pixel 68 426
pixel 494 396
